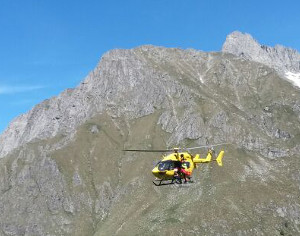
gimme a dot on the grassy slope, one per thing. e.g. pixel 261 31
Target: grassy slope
pixel 115 195
pixel 247 195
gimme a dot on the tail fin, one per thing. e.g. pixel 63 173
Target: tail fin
pixel 219 158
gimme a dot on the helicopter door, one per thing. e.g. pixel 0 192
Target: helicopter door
pixel 186 165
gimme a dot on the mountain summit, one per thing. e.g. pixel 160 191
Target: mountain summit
pixel 63 171
pixel 285 61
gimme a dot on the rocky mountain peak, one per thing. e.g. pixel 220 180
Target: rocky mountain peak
pixel 281 58
pixel 126 82
pixel 240 44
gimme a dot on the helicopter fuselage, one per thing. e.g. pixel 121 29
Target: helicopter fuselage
pixel 169 165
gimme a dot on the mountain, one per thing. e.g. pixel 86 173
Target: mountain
pixel 63 171
pixel 285 61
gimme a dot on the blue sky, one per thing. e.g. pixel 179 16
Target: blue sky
pixel 47 46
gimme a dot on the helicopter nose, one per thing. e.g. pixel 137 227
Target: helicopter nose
pixel 157 173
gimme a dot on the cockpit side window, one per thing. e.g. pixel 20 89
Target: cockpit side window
pixel 166 165
pixel 163 166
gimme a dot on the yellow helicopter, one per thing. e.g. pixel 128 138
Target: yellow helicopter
pixel 180 163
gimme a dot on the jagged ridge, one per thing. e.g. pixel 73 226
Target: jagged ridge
pixel 281 58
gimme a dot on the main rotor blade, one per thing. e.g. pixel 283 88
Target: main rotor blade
pixel 204 146
pixel 141 150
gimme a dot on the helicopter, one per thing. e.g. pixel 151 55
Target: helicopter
pixel 180 163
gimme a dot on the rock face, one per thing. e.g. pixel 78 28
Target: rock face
pixel 281 58
pixel 134 83
pixel 124 83
pixel 63 171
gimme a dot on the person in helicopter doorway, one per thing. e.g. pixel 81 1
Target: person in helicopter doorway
pixel 184 173
pixel 177 172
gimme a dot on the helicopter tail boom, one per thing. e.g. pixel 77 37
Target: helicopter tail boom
pixel 198 160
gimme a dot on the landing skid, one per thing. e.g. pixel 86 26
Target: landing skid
pixel 160 182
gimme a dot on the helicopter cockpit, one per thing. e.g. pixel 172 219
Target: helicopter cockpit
pixel 171 165
pixel 168 165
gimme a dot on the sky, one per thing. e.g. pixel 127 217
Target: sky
pixel 47 46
